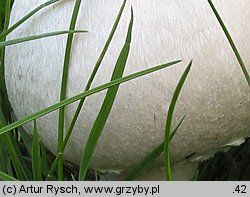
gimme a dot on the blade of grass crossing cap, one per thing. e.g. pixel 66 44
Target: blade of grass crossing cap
pixel 231 42
pixel 106 106
pixel 169 122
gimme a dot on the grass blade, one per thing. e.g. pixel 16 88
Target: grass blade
pixel 106 106
pixel 17 164
pixel 70 100
pixel 145 163
pixel 22 20
pixel 3 157
pixel 7 15
pixel 233 46
pixel 27 139
pixel 24 136
pixel 9 168
pixel 9 144
pixel 53 167
pixel 64 86
pixel 151 157
pixel 92 76
pixel 2 56
pixel 2 14
pixel 39 36
pixel 3 152
pixel 6 177
pixel 44 161
pixel 36 156
pixel 169 122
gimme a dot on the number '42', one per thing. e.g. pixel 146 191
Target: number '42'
pixel 240 189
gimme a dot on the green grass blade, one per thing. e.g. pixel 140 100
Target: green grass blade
pixel 176 128
pixel 150 158
pixel 9 168
pixel 24 136
pixel 15 151
pixel 169 122
pixel 27 139
pixel 3 152
pixel 92 76
pixel 11 147
pixel 196 176
pixel 106 106
pixel 53 167
pixel 6 177
pixel 70 100
pixel 96 67
pixel 22 20
pixel 145 163
pixel 44 160
pixel 14 157
pixel 100 58
pixel 7 15
pixel 36 156
pixel 3 91
pixel 39 36
pixel 233 46
pixel 2 14
pixel 64 83
pixel 4 156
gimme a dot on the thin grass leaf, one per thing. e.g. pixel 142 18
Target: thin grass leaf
pixel 16 155
pixel 24 136
pixel 3 91
pixel 39 36
pixel 3 152
pixel 9 167
pixel 233 46
pixel 17 164
pixel 22 20
pixel 64 83
pixel 196 176
pixel 4 156
pixel 5 163
pixel 96 175
pixel 45 161
pixel 106 106
pixel 6 177
pixel 36 156
pixel 145 163
pixel 12 147
pixel 2 5
pixel 92 76
pixel 53 167
pixel 73 178
pixel 7 15
pixel 2 117
pixel 70 100
pixel 169 122
pixel 151 157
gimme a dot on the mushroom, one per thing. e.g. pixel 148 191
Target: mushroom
pixel 215 97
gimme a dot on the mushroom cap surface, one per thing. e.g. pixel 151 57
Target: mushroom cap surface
pixel 215 97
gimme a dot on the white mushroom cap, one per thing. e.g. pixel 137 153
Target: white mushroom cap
pixel 215 97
